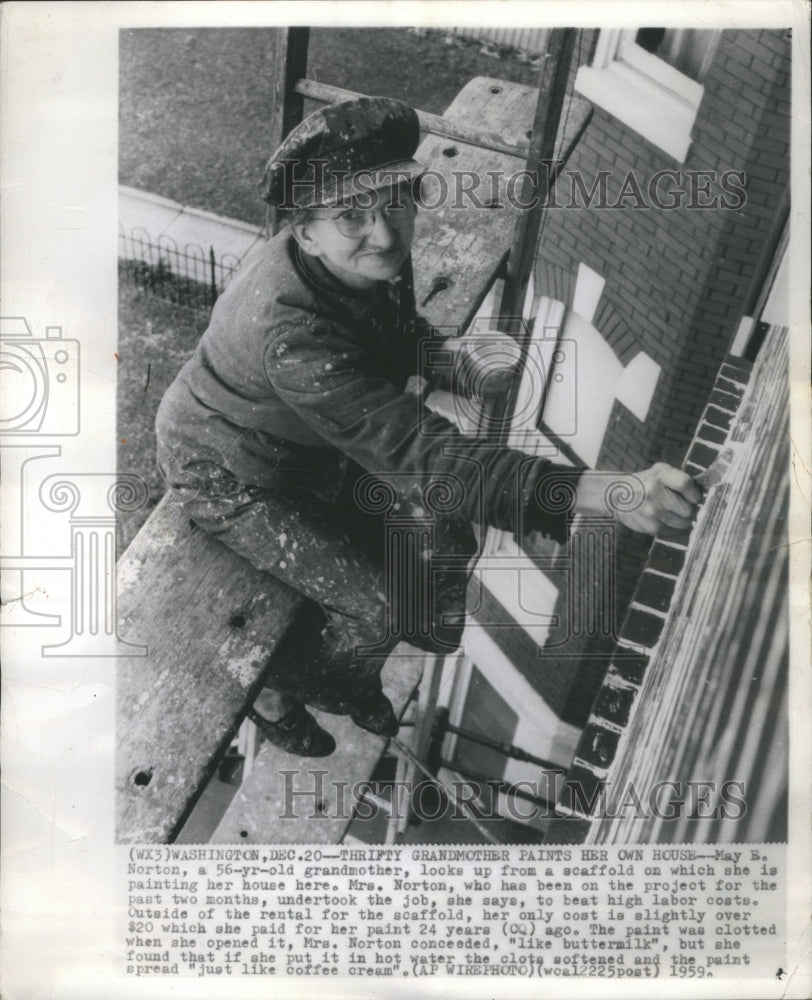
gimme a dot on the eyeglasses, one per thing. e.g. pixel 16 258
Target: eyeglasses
pixel 355 223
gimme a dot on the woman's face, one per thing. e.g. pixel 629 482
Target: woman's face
pixel 362 245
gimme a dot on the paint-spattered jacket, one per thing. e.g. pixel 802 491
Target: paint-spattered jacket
pixel 298 376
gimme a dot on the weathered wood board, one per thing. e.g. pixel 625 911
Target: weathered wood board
pixel 210 622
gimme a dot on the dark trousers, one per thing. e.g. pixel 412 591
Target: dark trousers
pixel 376 572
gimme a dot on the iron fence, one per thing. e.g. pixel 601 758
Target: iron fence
pixel 192 277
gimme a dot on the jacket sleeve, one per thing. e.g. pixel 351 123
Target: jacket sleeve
pixel 319 370
pixel 437 354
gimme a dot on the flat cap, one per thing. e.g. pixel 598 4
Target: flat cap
pixel 343 149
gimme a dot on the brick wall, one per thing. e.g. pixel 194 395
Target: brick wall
pixel 678 278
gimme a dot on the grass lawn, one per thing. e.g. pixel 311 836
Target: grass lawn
pixel 194 104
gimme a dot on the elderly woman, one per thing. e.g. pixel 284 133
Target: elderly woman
pixel 297 403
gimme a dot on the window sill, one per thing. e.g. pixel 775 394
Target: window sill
pixel 659 115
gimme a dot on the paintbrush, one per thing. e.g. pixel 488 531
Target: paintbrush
pixel 717 471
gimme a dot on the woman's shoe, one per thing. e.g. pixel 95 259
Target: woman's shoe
pixel 376 715
pixel 296 732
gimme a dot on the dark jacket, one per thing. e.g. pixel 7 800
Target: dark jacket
pixel 297 373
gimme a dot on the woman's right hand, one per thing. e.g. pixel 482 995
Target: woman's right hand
pixel 658 497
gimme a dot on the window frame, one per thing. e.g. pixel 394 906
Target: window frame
pixel 643 91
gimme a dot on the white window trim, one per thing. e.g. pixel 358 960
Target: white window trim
pixel 538 728
pixel 544 732
pixel 642 91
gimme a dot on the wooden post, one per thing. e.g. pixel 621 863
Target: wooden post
pixel 540 165
pixel 552 89
pixel 290 65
